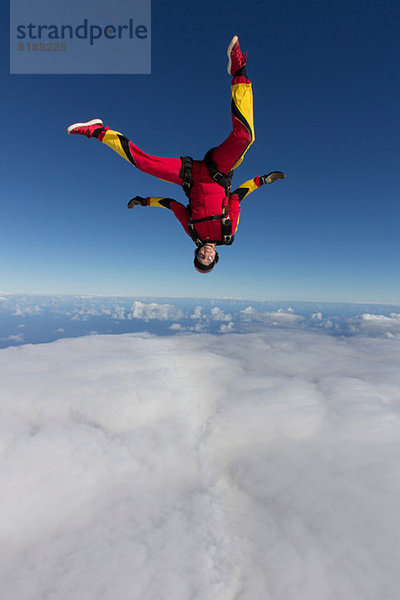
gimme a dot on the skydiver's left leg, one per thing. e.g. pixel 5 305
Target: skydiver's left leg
pixel 230 153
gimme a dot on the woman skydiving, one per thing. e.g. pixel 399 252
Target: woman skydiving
pixel 212 215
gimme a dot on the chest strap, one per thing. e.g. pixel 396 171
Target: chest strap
pixel 227 237
pixel 222 179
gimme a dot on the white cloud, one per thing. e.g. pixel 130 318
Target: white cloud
pixel 279 317
pixel 217 314
pixel 80 316
pixel 317 316
pixel 14 338
pixel 227 328
pixel 283 316
pixel 248 312
pixel 22 311
pixel 196 313
pixel 166 312
pixel 244 466
pixel 118 313
pixel 377 324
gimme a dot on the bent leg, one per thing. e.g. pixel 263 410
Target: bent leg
pixel 230 153
pixel 167 169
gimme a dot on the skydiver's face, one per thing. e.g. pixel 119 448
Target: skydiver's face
pixel 206 254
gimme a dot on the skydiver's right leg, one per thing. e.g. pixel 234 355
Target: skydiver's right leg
pixel 167 169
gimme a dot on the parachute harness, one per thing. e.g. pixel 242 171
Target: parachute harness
pixel 223 179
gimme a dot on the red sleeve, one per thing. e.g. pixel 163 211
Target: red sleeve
pixel 234 210
pixel 177 208
pixel 181 214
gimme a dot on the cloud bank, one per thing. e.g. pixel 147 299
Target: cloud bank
pixel 48 318
pixel 238 467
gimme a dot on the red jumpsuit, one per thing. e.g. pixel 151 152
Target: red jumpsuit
pixel 207 198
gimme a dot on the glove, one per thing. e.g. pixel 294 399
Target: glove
pixel 271 177
pixel 137 201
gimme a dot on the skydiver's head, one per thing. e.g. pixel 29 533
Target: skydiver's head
pixel 205 258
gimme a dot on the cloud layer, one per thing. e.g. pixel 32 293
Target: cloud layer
pixel 237 467
pixel 36 319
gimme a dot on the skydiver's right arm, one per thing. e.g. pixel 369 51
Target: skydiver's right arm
pixel 177 208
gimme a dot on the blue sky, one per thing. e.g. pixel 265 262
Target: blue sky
pixel 326 91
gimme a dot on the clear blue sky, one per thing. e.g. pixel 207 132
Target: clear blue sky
pixel 326 93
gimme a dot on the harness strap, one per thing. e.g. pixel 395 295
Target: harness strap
pixel 223 179
pixel 227 235
pixel 193 234
pixel 212 218
pixel 186 174
pixel 226 231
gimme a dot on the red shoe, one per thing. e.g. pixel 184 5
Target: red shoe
pixel 86 128
pixel 236 59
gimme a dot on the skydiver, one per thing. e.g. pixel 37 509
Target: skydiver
pixel 212 215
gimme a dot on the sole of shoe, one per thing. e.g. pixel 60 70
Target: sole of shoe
pixel 76 125
pixel 231 44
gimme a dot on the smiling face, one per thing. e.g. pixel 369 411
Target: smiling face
pixel 206 254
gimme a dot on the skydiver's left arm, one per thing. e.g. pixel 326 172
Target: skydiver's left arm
pixel 237 196
pixel 245 189
pixel 253 184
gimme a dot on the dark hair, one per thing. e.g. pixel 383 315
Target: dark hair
pixel 204 268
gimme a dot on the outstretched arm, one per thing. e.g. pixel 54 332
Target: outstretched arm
pixel 177 208
pixel 245 189
pixel 253 184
